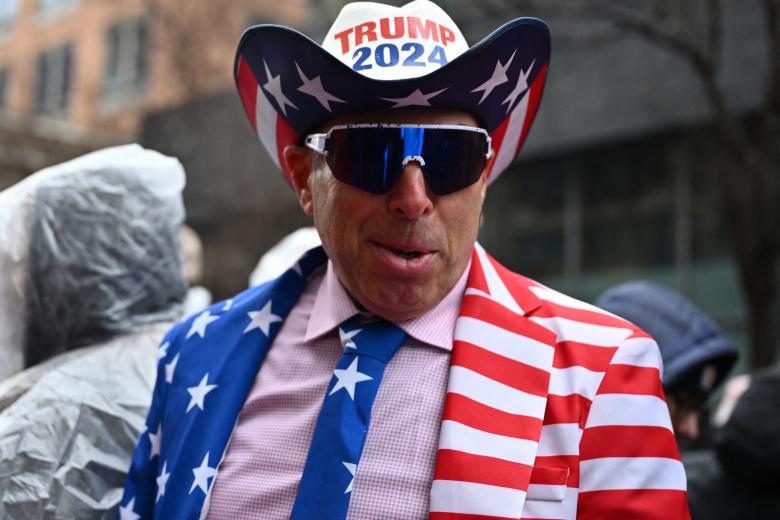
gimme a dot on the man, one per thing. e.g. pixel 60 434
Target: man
pixel 696 354
pixel 406 374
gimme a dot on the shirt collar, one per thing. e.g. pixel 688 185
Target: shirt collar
pixel 333 306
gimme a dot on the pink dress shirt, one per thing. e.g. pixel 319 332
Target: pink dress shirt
pixel 258 477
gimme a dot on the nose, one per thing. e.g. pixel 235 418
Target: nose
pixel 409 197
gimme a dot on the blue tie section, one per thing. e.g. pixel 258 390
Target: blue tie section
pixel 334 455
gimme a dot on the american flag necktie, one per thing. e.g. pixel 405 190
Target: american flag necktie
pixel 334 455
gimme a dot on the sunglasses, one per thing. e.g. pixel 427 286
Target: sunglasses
pixel 372 157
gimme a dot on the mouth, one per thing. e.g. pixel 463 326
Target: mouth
pixel 409 254
pixel 406 255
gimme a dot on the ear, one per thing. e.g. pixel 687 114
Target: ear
pixel 299 164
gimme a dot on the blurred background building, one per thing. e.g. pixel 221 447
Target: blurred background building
pixel 654 154
pixel 77 75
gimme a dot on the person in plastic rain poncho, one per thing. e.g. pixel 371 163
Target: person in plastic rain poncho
pixel 91 267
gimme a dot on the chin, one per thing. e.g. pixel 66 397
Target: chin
pixel 399 305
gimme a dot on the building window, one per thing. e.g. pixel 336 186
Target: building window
pixel 628 220
pixel 127 65
pixel 3 88
pixel 50 9
pixel 8 10
pixel 53 90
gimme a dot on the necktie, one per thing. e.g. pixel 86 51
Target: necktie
pixel 326 483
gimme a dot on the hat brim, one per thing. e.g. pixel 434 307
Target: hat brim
pixel 289 85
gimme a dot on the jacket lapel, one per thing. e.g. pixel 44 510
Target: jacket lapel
pixel 225 359
pixel 496 397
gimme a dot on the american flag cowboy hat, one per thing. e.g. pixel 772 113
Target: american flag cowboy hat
pixel 377 56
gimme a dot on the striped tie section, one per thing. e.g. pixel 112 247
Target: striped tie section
pixel 624 458
pixel 496 400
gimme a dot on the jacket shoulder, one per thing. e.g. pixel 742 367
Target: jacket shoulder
pixel 223 315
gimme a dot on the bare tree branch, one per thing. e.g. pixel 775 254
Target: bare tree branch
pixel 713 50
pixel 772 17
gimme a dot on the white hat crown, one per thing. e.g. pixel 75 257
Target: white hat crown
pixel 387 42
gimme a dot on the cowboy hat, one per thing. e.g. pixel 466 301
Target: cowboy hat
pixel 377 56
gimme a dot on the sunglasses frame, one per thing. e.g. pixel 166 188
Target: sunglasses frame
pixel 317 142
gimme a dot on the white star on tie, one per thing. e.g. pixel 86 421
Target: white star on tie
pixel 200 323
pixel 498 78
pixel 314 88
pixel 162 480
pixel 297 268
pixel 162 350
pixel 351 468
pixel 199 392
pixel 202 475
pixel 346 338
pixel 228 305
pixel 127 513
pixel 274 87
pixel 347 379
pixel 170 368
pixel 522 86
pixel 416 98
pixel 262 319
pixel 155 439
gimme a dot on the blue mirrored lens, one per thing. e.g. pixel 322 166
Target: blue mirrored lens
pixel 372 159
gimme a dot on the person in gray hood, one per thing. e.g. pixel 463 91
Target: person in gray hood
pixel 696 354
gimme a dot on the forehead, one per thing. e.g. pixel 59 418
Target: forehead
pixel 412 115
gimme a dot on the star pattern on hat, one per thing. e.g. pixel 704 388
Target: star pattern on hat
pixel 347 379
pixel 199 392
pixel 314 88
pixel 415 99
pixel 498 78
pixel 202 475
pixel 273 86
pixel 520 87
pixel 200 323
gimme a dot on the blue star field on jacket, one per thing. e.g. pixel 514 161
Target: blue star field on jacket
pixel 169 478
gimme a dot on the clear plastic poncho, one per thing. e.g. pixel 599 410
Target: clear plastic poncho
pixel 91 277
pixel 88 249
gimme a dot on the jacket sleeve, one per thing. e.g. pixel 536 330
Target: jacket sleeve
pixel 629 462
pixel 140 491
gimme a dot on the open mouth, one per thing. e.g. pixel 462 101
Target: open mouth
pixel 406 255
pixel 404 251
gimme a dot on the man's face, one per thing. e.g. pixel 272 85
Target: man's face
pixel 400 253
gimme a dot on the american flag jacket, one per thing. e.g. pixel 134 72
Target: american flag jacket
pixel 554 408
